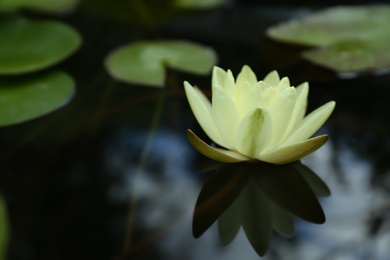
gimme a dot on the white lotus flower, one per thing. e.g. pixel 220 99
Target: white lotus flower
pixel 256 120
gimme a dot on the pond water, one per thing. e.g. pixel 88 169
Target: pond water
pixel 71 178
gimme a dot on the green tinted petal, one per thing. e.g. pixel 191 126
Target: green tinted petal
pixel 220 155
pixel 293 152
pixel 254 131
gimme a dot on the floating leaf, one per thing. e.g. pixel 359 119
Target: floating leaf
pixel 25 98
pixel 351 39
pixel 198 4
pixel 27 46
pixel 146 62
pixel 335 24
pixel 3 230
pixel 353 55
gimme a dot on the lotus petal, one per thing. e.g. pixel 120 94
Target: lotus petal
pixel 201 108
pixel 293 152
pixel 220 155
pixel 310 124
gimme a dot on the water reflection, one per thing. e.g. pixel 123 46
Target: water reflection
pixel 163 189
pixel 357 213
pixel 260 198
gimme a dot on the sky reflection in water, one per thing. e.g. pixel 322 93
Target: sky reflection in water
pixel 167 195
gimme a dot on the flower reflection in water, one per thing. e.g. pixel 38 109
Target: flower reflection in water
pixel 260 198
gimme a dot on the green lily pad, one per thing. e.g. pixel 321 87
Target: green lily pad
pixel 335 24
pixel 25 98
pixel 146 62
pixel 352 56
pixel 47 6
pixel 198 4
pixel 350 39
pixel 28 46
pixel 3 229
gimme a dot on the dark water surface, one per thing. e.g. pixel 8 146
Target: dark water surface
pixel 68 178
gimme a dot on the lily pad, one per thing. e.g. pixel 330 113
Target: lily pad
pixel 28 46
pixel 146 62
pixel 25 98
pixel 335 24
pixel 350 39
pixel 354 55
pixel 47 6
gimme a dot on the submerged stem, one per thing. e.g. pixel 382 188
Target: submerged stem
pixel 140 169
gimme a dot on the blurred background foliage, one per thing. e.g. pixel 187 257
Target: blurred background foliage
pixel 28 46
pixel 349 39
pixel 34 45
